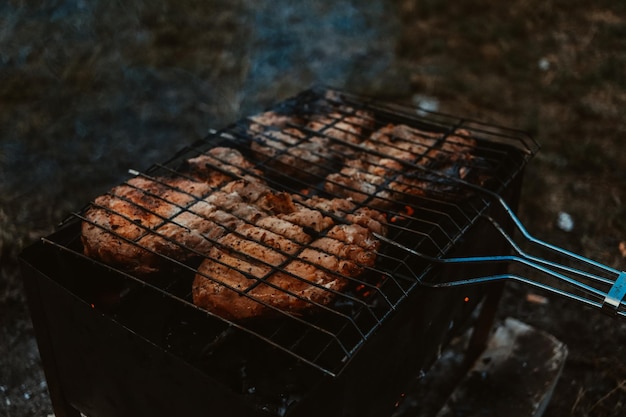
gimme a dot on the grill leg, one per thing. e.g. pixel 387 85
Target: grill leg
pixel 484 323
pixel 61 406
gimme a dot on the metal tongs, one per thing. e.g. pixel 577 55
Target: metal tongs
pixel 605 291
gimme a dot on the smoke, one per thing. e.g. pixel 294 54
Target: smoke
pixel 344 43
pixel 93 88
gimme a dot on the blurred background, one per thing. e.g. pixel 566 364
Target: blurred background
pixel 89 89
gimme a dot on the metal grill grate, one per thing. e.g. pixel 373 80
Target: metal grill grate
pixel 323 143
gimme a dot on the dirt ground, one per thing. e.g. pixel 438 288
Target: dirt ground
pixel 91 89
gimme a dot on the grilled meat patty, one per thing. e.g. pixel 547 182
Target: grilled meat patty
pixel 345 129
pixel 136 224
pixel 446 163
pixel 400 161
pixel 290 149
pixel 290 262
pixel 318 141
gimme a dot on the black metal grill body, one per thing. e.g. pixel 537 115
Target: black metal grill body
pixel 103 368
pixel 115 345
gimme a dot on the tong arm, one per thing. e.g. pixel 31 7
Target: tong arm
pixel 611 300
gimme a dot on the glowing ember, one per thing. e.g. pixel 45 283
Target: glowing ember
pixel 408 212
pixel 397 404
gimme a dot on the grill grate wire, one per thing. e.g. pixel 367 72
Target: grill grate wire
pixel 429 221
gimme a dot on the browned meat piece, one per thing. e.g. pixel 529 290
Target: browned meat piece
pixel 225 290
pixel 441 183
pixel 295 153
pixel 263 269
pixel 455 148
pixel 345 129
pixel 446 163
pixel 348 126
pixel 128 212
pixel 351 242
pixel 284 228
pixel 356 185
pixel 136 224
pixel 292 151
pixel 401 142
pixel 276 120
pixel 387 171
pixel 242 198
pixel 207 168
pixel 313 220
pixel 342 208
pixel 361 180
pixel 298 151
pixel 191 233
pixel 344 125
pixel 279 202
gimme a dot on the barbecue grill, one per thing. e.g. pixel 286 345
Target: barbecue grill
pixel 114 342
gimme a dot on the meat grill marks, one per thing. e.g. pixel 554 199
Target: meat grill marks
pixel 240 228
pixel 260 270
pixel 138 225
pixel 318 142
pixel 222 212
pixel 399 161
pixel 300 257
pixel 358 156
